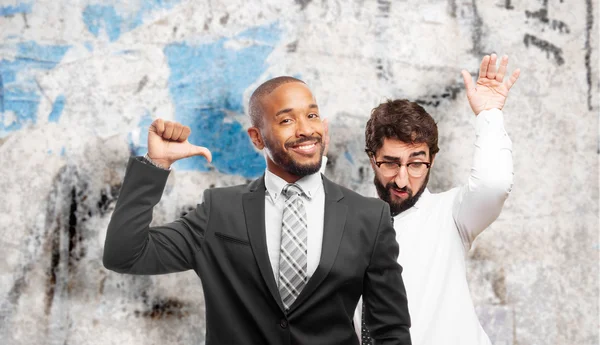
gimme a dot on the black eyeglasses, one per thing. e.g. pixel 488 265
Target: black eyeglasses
pixel 414 169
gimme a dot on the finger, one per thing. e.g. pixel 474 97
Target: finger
pixel 178 128
pixel 502 69
pixel 169 127
pixel 185 133
pixel 491 73
pixel 468 80
pixel 157 126
pixel 200 151
pixel 513 78
pixel 484 66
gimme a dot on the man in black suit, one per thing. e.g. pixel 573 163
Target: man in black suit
pixel 284 259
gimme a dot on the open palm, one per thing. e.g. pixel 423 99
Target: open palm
pixel 491 90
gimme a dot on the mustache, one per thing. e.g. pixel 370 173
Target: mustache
pixel 315 139
pixel 395 186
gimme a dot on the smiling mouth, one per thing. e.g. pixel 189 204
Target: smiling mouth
pixel 305 148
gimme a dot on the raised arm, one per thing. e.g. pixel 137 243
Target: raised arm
pixel 479 202
pixel 131 245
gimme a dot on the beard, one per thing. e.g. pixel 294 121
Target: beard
pixel 397 207
pixel 284 160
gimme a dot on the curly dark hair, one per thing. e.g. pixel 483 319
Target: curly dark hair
pixel 402 120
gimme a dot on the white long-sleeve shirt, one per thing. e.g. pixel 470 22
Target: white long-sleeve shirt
pixel 436 234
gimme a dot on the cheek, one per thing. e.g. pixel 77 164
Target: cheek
pixel 383 180
pixel 416 184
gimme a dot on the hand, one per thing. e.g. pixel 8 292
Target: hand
pixel 325 137
pixel 167 143
pixel 490 91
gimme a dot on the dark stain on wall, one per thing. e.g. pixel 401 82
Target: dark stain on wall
pixel 142 84
pixel 452 8
pixel 223 20
pixel 303 3
pixel 162 308
pixel 542 16
pixel 107 198
pixel 545 46
pixel 508 5
pixel 450 92
pixel 589 23
pixel 292 47
pixel 477 32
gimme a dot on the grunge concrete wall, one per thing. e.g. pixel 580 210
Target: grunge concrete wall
pixel 80 81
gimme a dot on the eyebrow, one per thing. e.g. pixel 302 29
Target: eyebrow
pixel 420 153
pixel 397 159
pixel 289 110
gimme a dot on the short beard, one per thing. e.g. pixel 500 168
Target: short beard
pixel 398 207
pixel 284 160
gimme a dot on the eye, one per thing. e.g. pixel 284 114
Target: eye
pixel 285 121
pixel 416 165
pixel 313 116
pixel 389 165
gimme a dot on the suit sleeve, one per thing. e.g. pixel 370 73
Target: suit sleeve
pixel 384 295
pixel 132 246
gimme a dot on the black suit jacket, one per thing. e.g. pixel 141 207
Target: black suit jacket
pixel 224 241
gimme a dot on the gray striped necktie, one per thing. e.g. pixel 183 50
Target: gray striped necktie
pixel 292 256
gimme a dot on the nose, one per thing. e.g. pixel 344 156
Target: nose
pixel 304 128
pixel 401 177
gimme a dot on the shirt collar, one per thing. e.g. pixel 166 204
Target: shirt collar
pixel 310 184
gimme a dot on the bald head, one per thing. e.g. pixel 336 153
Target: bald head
pixel 256 112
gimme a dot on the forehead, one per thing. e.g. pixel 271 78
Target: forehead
pixel 288 95
pixel 396 148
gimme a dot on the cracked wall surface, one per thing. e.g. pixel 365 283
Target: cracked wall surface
pixel 80 81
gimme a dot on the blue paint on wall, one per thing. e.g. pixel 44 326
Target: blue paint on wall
pixel 207 83
pixel 21 96
pixel 349 157
pixel 142 147
pixel 23 7
pixel 99 17
pixel 57 109
pixel 1 94
pixel 104 17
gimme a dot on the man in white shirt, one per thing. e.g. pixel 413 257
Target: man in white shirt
pixel 437 230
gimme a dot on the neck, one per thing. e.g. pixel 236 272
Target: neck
pixel 279 171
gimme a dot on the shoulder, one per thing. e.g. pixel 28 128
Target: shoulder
pixel 229 192
pixel 445 197
pixel 357 202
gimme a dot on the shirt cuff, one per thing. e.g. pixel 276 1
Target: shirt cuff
pixel 489 120
pixel 146 159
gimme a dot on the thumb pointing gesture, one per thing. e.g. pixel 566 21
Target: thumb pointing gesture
pixel 167 143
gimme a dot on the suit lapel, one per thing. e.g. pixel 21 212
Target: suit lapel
pixel 254 212
pixel 333 229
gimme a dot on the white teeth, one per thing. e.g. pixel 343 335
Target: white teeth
pixel 304 147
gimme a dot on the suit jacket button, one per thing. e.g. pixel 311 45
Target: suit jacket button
pixel 283 323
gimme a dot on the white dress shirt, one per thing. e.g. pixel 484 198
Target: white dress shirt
pixel 314 203
pixel 436 234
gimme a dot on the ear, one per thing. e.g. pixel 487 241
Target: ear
pixel 432 160
pixel 372 160
pixel 256 137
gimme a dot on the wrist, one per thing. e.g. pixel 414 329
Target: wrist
pixel 159 163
